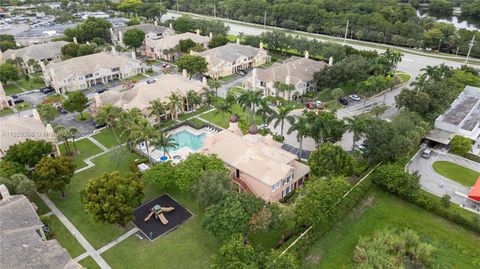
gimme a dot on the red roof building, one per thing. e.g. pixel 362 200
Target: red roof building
pixel 475 192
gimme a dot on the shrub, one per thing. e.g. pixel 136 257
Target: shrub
pixel 461 145
pixel 394 179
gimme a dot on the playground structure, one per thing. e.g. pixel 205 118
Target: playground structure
pixel 158 211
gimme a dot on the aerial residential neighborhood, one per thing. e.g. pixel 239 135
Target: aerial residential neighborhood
pixel 239 134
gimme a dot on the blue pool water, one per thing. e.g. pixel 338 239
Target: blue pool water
pixel 187 139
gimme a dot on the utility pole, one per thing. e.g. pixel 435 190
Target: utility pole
pixel 439 43
pixel 265 19
pixel 470 46
pixel 346 33
pixel 177 5
pixel 214 10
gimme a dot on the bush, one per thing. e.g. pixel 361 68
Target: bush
pixel 394 179
pixel 461 145
pixel 86 116
pixel 196 123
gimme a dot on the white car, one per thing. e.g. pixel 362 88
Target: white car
pixel 354 97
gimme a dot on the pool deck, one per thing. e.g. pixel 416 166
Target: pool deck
pixel 183 152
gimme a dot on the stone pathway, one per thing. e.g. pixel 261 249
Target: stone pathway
pixel 95 141
pixel 76 233
pixel 118 240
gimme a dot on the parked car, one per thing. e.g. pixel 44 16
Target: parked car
pixel 101 90
pixel 18 100
pixel 310 105
pixel 150 81
pixel 354 97
pixel 165 65
pixel 241 73
pixel 46 90
pixel 359 147
pixel 427 153
pixel 61 109
pixel 98 125
pixel 14 96
pixel 343 101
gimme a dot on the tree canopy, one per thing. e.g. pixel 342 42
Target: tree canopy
pixel 9 72
pixel 211 187
pixel 29 152
pixel 18 184
pixel 195 65
pixel 133 38
pixel 53 174
pixel 331 160
pixel 76 102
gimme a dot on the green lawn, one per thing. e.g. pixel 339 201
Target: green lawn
pixel 136 77
pixel 106 137
pixel 188 246
pixel 42 207
pixel 5 112
pixel 98 234
pixel 223 120
pixel 236 90
pixel 30 84
pixel 64 237
pixel 404 76
pixel 456 172
pixel 454 246
pixel 12 89
pixel 89 263
pixel 185 116
pixel 23 106
pixel 85 149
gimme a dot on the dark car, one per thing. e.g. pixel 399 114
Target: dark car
pixel 101 90
pixel 343 101
pixel 46 90
pixel 62 110
pixel 18 100
pixel 241 73
pixel 98 125
pixel 14 96
pixel 150 81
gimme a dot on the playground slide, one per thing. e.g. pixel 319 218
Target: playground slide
pixel 162 218
pixel 149 216
pixel 167 209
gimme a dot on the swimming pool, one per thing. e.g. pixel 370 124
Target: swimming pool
pixel 187 139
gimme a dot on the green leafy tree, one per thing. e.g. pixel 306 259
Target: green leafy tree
pixel 76 102
pixel 7 42
pixel 133 38
pixel 89 29
pixel 235 254
pixel 337 93
pixel 9 168
pixel 316 204
pixel 217 41
pixel 192 168
pixel 109 115
pixel 9 72
pixel 85 49
pixel 324 127
pixel 29 152
pixel 331 160
pixel 461 145
pixel 231 214
pixel 214 84
pixel 394 179
pixel 18 184
pixel 185 45
pixel 130 6
pixel 162 174
pixel 111 198
pixel 70 50
pixel 392 248
pixel 275 260
pixel 211 187
pixel 193 99
pixel 157 108
pixel 357 126
pixel 299 125
pixel 250 100
pixel 175 102
pixel 53 174
pixel 195 65
pixel 166 142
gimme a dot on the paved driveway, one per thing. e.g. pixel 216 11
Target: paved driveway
pixel 439 185
pixel 68 120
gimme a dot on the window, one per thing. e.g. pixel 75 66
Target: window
pixel 263 83
pixel 88 75
pixel 96 74
pixel 115 69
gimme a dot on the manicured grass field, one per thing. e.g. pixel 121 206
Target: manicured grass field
pixel 30 84
pixel 223 120
pixel 65 238
pixel 106 137
pixel 193 113
pixel 98 234
pixel 188 246
pixel 5 112
pixel 454 246
pixel 404 76
pixel 137 77
pixel 85 149
pixel 456 172
pixel 42 207
pixel 23 106
pixel 12 89
pixel 236 90
pixel 89 263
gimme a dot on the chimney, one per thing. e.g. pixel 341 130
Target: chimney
pixel 254 77
pixel 75 40
pixel 238 40
pixel 233 125
pixel 4 192
pixel 261 45
pixel 133 55
pixel 155 22
pixel 50 133
pixel 287 80
pixel 198 31
pixel 307 55
pixel 120 37
pixel 36 116
pixel 204 81
pixel 210 35
pixel 330 61
pixel 184 73
pixel 170 25
pixel 114 51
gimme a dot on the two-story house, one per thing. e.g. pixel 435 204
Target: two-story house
pixel 152 32
pixel 166 48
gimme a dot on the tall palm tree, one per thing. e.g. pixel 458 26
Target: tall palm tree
pixel 223 108
pixel 301 126
pixel 165 141
pixel 280 88
pixel 109 115
pixel 356 125
pixel 279 117
pixel 250 100
pixel 73 132
pixel 174 102
pixel 289 88
pixel 128 120
pixel 157 108
pixel 63 133
pixel 265 111
pixel 431 71
pixel 208 97
pixel 420 82
pixel 214 84
pixel 144 131
pixel 193 98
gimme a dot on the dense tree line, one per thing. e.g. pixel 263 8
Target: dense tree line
pixel 384 21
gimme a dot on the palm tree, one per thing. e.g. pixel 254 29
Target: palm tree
pixel 208 97
pixel 280 116
pixel 356 125
pixel 193 98
pixel 165 142
pixel 265 111
pixel 250 100
pixel 144 131
pixel 63 134
pixel 431 71
pixel 73 132
pixel 157 108
pixel 174 102
pixel 301 126
pixel 223 108
pixel 214 84
pixel 420 82
pixel 128 120
pixel 109 115
pixel 280 88
pixel 289 88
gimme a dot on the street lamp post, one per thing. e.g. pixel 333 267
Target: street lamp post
pixel 470 46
